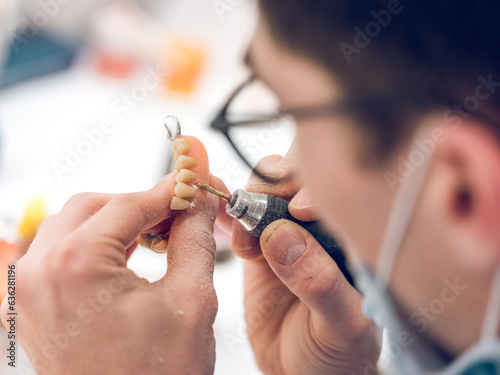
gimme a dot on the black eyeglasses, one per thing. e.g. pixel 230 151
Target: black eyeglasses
pixel 238 124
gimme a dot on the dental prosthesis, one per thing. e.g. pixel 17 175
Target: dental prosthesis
pixel 191 166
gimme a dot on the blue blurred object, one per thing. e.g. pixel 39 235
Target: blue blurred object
pixel 37 56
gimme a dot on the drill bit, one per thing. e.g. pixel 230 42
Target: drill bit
pixel 220 194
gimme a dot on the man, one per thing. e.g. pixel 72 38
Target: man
pixel 397 116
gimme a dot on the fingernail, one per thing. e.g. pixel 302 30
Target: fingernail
pixel 284 167
pixel 301 201
pixel 275 172
pixel 242 241
pixel 285 243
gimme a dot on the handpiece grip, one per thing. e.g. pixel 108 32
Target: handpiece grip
pixel 277 208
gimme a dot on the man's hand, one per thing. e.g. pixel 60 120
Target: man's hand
pixel 302 315
pixel 81 311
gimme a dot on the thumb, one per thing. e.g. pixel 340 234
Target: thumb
pixel 191 244
pixel 309 272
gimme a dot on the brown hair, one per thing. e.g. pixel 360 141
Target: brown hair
pixel 425 55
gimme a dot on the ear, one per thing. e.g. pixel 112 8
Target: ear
pixel 465 190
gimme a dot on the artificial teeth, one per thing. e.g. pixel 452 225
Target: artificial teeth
pixel 179 203
pixel 184 191
pixel 162 244
pixel 181 147
pixel 184 162
pixel 185 175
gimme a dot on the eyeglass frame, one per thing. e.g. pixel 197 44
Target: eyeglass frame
pixel 222 124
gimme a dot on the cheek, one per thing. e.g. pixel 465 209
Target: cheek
pixel 352 202
pixel 316 159
pixel 323 165
pixel 310 159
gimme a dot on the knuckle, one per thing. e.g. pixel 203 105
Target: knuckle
pixel 66 260
pixel 47 223
pixel 206 305
pixel 204 240
pixel 269 161
pixel 80 198
pixel 265 362
pixel 87 202
pixel 201 239
pixel 130 201
pixel 26 281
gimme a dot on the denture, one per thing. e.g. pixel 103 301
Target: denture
pixel 179 203
pixel 191 162
pixel 185 175
pixel 192 168
pixel 180 147
pixel 184 162
pixel 183 190
pixel 161 244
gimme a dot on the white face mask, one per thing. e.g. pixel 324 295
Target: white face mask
pixel 408 353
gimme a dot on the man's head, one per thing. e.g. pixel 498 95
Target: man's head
pixel 423 55
pixel 435 66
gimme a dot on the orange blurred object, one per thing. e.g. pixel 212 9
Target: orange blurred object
pixel 8 255
pixel 186 60
pixel 116 66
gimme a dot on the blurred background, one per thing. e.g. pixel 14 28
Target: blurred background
pixel 84 89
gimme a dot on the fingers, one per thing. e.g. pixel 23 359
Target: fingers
pixel 223 220
pixel 191 246
pixel 275 167
pixel 78 209
pixel 125 216
pixel 244 244
pixel 302 206
pixel 130 250
pixel 247 246
pixel 75 212
pixel 309 272
pixel 163 226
